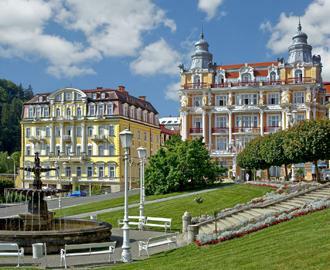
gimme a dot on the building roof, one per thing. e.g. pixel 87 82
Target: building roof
pixel 326 86
pixel 254 65
pixel 167 131
pixel 170 120
pixel 120 94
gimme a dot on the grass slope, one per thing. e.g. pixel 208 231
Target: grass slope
pixel 213 201
pixel 302 243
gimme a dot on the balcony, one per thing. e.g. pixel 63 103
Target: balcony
pixel 250 130
pixel 68 158
pixel 249 83
pixel 196 130
pixel 99 138
pixel 67 138
pixel 36 139
pixel 271 129
pixel 220 130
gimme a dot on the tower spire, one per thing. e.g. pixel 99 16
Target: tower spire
pixel 299 25
pixel 202 33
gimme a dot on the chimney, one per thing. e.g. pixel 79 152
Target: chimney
pixel 144 98
pixel 121 88
pixel 99 88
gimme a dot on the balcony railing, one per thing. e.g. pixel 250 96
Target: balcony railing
pixel 196 130
pixel 272 128
pixel 220 130
pixel 69 158
pixel 99 138
pixel 67 138
pixel 246 130
pixel 249 83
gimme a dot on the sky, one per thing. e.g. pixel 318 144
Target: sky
pixel 139 43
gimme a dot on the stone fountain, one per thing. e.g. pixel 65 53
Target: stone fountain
pixel 38 225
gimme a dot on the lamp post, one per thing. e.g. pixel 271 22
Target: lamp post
pixel 126 140
pixel 10 157
pixel 142 153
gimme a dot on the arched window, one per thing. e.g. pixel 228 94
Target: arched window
pixel 298 75
pixel 196 81
pixel 272 76
pixel 68 112
pixel 78 112
pixel 58 112
pixel 220 79
pixel 246 77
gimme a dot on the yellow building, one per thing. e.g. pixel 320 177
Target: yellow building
pixel 78 132
pixel 228 105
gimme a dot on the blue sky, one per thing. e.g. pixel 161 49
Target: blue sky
pixel 139 43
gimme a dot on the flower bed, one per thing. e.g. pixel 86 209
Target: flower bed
pixel 266 221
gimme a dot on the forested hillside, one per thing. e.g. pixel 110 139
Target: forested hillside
pixel 12 97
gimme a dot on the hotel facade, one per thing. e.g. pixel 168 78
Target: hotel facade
pixel 77 131
pixel 229 105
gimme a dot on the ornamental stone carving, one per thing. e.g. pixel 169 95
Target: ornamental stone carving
pixel 308 96
pixel 204 100
pixel 230 99
pixel 285 97
pixel 184 101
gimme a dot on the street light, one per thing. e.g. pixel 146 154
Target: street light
pixel 126 140
pixel 142 153
pixel 10 157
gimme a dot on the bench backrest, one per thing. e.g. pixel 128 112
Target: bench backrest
pixel 8 246
pixel 90 246
pixel 157 219
pixel 161 237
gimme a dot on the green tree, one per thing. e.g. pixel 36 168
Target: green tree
pixel 180 165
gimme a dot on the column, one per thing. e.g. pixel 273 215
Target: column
pixel 230 126
pixel 308 114
pixel 83 138
pixel 52 139
pixel 261 123
pixel 62 146
pixel 204 126
pixel 73 140
pixel 283 120
pixel 210 130
pixel 184 126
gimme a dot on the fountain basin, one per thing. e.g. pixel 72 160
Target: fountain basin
pixel 63 231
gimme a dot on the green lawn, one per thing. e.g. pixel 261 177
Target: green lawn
pixel 302 243
pixel 110 203
pixel 213 201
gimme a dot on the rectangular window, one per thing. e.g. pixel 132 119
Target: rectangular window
pixel 46 112
pixel 101 150
pixel 58 150
pixel 28 132
pixel 273 98
pixel 247 99
pixel 67 150
pixel 300 117
pixel 220 121
pixel 68 171
pixel 89 171
pixel 110 109
pixel 78 131
pixel 28 150
pixel 78 150
pixel 145 136
pixel 101 109
pixel 91 110
pixel 78 172
pixel 197 101
pixel 101 130
pixel 90 131
pixel 57 132
pixel 111 130
pixel 197 122
pixel 47 131
pixel 68 96
pixel 273 120
pixel 111 150
pixel 37 131
pixel 89 150
pixel 101 172
pixel 298 97
pixel 221 100
pixel 112 171
pixel 47 148
pixel 222 143
pixel 30 112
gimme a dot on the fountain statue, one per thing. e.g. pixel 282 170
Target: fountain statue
pixel 39 225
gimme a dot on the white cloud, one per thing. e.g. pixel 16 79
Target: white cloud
pixel 156 58
pixel 316 24
pixel 210 7
pixel 172 91
pixel 110 27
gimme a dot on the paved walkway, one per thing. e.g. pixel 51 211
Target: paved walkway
pixel 65 202
pixel 146 203
pixel 53 260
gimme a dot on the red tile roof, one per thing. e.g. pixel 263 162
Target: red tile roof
pixel 237 66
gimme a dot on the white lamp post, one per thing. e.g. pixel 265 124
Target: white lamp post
pixel 126 140
pixel 10 157
pixel 142 153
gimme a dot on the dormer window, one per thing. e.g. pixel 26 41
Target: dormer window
pixel 100 109
pixel 94 96
pixel 30 112
pixel 68 96
pixel 58 97
pixel 272 76
pixel 109 108
pixel 40 99
pixel 246 77
pixel 298 75
pixel 91 109
pixel 102 95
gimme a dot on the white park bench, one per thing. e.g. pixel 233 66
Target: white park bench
pixel 87 250
pixel 11 250
pixel 158 222
pixel 134 220
pixel 166 239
